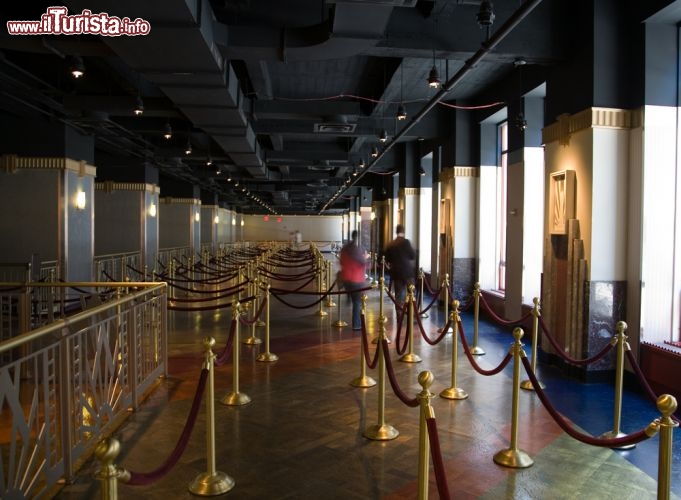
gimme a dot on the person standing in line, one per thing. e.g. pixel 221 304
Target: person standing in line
pixel 401 260
pixel 353 260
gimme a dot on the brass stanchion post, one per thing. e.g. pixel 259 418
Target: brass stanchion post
pixel 339 322
pixel 108 473
pixel 253 339
pixel 212 482
pixel 267 356
pixel 422 277
pixel 381 431
pixel 320 286
pixel 622 345
pixel 259 294
pixel 363 380
pixel 527 384
pixel 667 406
pixel 374 281
pixel 236 398
pixel 454 392
pixel 329 297
pixel 410 357
pixel 381 289
pixel 514 457
pixel 445 285
pixel 426 411
pixel 475 348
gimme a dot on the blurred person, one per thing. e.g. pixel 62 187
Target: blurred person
pixel 353 259
pixel 401 260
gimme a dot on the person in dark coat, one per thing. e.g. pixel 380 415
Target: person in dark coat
pixel 353 261
pixel 401 260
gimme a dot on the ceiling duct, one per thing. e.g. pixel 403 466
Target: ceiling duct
pixel 334 128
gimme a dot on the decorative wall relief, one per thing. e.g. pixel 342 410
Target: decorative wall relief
pixel 561 201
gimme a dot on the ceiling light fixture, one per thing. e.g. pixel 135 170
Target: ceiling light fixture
pixel 485 15
pixel 434 76
pixel 401 110
pixel 374 151
pixel 168 131
pixel 77 67
pixel 188 148
pixel 421 171
pixel 139 106
pixel 384 136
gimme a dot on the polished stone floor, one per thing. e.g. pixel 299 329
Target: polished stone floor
pixel 301 436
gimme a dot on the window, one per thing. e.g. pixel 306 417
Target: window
pixel 502 160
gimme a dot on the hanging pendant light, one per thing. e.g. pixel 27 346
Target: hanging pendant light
pixel 168 131
pixel 384 136
pixel 139 106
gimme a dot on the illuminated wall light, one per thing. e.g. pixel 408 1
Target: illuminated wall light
pixel 233 221
pixel 242 223
pixel 216 220
pixel 373 215
pixel 80 200
pixel 197 217
pixel 152 209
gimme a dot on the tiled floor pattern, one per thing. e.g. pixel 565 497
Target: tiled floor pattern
pixel 301 437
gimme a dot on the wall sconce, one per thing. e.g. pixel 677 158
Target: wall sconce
pixel 80 200
pixel 152 209
pixel 233 221
pixel 242 223
pixel 197 217
pixel 373 215
pixel 217 219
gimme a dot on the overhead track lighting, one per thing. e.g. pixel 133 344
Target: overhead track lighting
pixel 384 136
pixel 401 113
pixel 168 131
pixel 401 110
pixel 434 77
pixel 188 148
pixel 77 67
pixel 374 151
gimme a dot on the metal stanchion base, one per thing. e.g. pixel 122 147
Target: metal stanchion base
pixel 340 323
pixel 527 385
pixel 331 304
pixel 614 435
pixel 236 399
pixel 517 459
pixel 374 284
pixel 424 315
pixel 364 381
pixel 260 323
pixel 322 313
pixel 208 485
pixel 454 393
pixel 477 350
pixel 449 330
pixel 251 340
pixel 411 358
pixel 267 357
pixel 375 341
pixel 384 432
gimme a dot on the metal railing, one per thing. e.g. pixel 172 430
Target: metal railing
pixel 72 382
pixel 117 266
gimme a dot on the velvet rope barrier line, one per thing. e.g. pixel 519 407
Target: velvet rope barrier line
pixel 371 363
pixel 474 363
pixel 432 303
pixel 256 316
pixel 596 357
pixel 644 382
pixel 438 464
pixel 145 478
pixel 499 319
pixel 410 402
pixel 628 440
pixel 222 358
pixel 439 338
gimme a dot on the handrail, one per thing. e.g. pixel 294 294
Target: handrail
pixel 61 323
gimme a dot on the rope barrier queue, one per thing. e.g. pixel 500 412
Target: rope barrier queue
pixel 212 482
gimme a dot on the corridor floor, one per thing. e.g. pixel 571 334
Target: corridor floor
pixel 301 436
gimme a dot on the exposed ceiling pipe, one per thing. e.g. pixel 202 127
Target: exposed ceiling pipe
pixel 506 28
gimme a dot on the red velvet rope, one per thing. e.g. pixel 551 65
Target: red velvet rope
pixel 411 402
pixel 222 358
pixel 249 322
pixel 581 362
pixel 207 299
pixel 371 363
pixel 474 363
pixel 400 320
pixel 432 303
pixel 430 290
pixel 439 337
pixel 499 319
pixel 145 478
pixel 285 291
pixel 438 464
pixel 627 440
pixel 214 307
pixel 643 381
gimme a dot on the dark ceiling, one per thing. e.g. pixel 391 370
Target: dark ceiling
pixel 287 99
